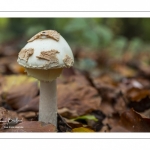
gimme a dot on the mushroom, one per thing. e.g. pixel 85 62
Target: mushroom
pixel 44 57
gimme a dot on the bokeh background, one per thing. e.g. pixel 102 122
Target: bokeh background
pixel 90 32
pixel 116 36
pixel 107 89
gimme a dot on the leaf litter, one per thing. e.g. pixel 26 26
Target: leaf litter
pixel 113 96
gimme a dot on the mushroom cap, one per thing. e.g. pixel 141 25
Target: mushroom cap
pixel 46 50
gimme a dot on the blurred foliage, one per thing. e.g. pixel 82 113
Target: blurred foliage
pixel 97 33
pixel 85 64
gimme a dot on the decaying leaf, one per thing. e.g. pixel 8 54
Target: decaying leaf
pixel 123 70
pixel 96 100
pixel 8 117
pixel 131 121
pixel 78 98
pixel 32 105
pixel 31 126
pixel 16 68
pixel 29 115
pixel 62 125
pixel 82 129
pixel 106 86
pixel 8 82
pixel 139 99
pixel 136 94
pixel 18 90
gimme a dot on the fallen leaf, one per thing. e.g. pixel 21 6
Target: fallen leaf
pixel 73 124
pixel 107 108
pixel 16 68
pixel 136 94
pixel 32 105
pixel 124 70
pixel 6 116
pixel 67 112
pixel 77 97
pixel 5 64
pixel 86 117
pixel 17 91
pixel 141 105
pixel 139 99
pixel 131 121
pixel 106 86
pixel 62 124
pixel 120 104
pixel 30 126
pixel 8 82
pixel 30 115
pixel 82 129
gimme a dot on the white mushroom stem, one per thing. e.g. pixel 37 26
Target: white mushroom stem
pixel 48 102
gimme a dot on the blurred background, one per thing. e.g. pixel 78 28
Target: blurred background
pixel 112 37
pixel 110 79
pixel 96 33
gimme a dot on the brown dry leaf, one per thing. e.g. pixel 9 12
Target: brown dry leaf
pixel 124 70
pixel 141 105
pixel 146 113
pixel 17 91
pixel 7 115
pixel 9 48
pixel 131 121
pixel 8 82
pixel 32 105
pixel 30 126
pixel 139 99
pixel 67 112
pixel 120 103
pixel 16 68
pixel 107 108
pixel 136 94
pixel 73 124
pixel 108 90
pixel 106 86
pixel 110 122
pixel 5 64
pixel 105 79
pixel 29 115
pixel 128 83
pixel 105 128
pixel 144 70
pixel 62 124
pixel 77 97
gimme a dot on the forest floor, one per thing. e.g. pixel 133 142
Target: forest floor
pixel 107 93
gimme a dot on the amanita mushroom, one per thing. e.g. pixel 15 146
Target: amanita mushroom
pixel 44 57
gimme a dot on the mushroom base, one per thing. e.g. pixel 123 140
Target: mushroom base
pixel 44 75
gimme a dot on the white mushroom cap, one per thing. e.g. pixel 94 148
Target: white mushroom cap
pixel 60 54
pixel 46 50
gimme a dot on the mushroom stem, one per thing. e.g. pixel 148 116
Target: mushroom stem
pixel 48 102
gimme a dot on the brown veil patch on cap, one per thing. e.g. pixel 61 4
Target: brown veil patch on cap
pixel 48 33
pixel 26 53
